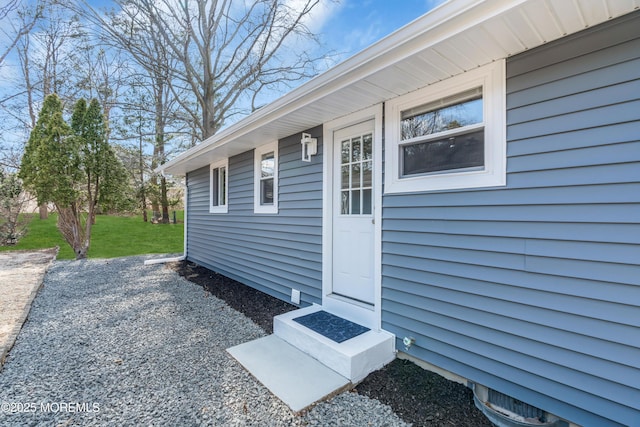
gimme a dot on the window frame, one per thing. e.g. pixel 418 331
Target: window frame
pixel 258 207
pixel 220 207
pixel 491 78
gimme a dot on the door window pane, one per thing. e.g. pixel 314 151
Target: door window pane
pixel 345 177
pixel 356 151
pixel 367 173
pixel 355 202
pixel 367 147
pixel 346 150
pixel 366 201
pixel 355 175
pixel 344 203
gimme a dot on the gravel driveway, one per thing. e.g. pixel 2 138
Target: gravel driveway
pixel 115 342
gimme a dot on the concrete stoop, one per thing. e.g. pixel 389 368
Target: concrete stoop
pixel 354 359
pixel 302 367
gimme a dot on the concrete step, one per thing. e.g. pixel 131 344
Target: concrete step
pixel 294 377
pixel 354 359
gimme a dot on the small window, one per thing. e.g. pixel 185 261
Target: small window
pixel 449 135
pixel 219 186
pixel 266 178
pixel 437 138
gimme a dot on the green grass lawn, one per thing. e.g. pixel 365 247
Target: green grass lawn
pixel 111 236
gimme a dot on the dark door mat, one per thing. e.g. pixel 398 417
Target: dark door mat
pixel 333 327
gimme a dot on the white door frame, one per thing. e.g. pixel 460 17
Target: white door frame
pixel 364 314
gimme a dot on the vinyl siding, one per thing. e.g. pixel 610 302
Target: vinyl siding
pixel 271 252
pixel 533 289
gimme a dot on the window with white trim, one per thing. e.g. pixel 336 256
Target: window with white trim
pixel 450 135
pixel 266 178
pixel 219 186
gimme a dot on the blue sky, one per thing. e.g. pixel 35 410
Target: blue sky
pixel 356 24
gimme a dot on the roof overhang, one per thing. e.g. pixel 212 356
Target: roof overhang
pixel 451 39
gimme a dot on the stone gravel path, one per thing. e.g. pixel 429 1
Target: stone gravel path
pixel 115 342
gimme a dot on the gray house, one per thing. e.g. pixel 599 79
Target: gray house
pixel 468 189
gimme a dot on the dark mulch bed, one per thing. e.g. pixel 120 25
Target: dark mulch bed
pixel 422 397
pixel 418 396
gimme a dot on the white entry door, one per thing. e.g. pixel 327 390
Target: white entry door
pixel 353 220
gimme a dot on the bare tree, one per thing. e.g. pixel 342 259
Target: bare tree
pixel 10 14
pixel 130 30
pixel 17 20
pixel 224 52
pixel 47 55
pixel 59 41
pixel 103 74
pixel 229 50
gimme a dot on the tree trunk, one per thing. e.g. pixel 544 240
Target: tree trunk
pixel 164 201
pixel 155 201
pixel 158 151
pixel 91 219
pixel 70 226
pixel 155 208
pixel 44 211
pixel 143 193
pixel 208 114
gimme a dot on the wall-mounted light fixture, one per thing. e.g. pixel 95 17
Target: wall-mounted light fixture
pixel 309 147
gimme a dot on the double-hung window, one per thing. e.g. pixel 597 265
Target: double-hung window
pixel 219 186
pixel 449 135
pixel 266 178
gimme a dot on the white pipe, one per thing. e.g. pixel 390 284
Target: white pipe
pixel 184 222
pixel 163 260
